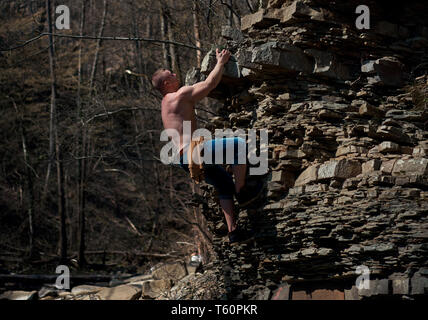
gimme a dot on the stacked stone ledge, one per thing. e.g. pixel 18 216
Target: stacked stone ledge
pixel 348 166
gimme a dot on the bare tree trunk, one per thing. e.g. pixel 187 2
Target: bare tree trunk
pixel 82 197
pixel 196 31
pixel 32 251
pixel 138 51
pixel 61 199
pixel 175 64
pixel 163 22
pixel 195 189
pixel 250 6
pixel 171 184
pixel 159 192
pixel 99 43
pixel 54 142
pixel 52 112
pixel 237 18
pixel 149 32
pixel 209 13
pixel 149 27
pixel 80 145
pixel 230 17
pixel 137 147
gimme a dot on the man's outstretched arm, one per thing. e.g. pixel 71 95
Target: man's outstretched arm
pixel 201 89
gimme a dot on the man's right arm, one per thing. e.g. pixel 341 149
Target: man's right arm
pixel 201 89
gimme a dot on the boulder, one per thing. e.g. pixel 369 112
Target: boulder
pixel 230 33
pixel 243 57
pixel 19 295
pixel 300 10
pixel 400 285
pixel 393 134
pixel 377 287
pixel 193 76
pixel 389 71
pixel 344 150
pixel 417 166
pixel 173 271
pixel 307 176
pixel 387 166
pixel 48 291
pixel 326 294
pixel 254 20
pixel 153 288
pixel 339 169
pixel 368 67
pixel 276 12
pixel 281 57
pixel 122 292
pixel 139 278
pixel 389 147
pixel 231 68
pixel 419 285
pixel 367 110
pixel 352 293
pixel 327 64
pixel 421 150
pixel 276 3
pixel 370 166
pixel 85 289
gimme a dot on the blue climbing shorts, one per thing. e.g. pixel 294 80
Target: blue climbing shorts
pixel 230 151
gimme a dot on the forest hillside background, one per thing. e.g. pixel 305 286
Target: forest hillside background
pixel 81 181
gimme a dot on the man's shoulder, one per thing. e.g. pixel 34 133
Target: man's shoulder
pixel 184 90
pixel 182 94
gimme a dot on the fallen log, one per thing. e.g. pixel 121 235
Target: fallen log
pixel 35 282
pixel 135 253
pixel 52 278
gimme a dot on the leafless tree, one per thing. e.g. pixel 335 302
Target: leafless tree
pixel 81 163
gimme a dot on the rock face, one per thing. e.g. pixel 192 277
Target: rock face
pixel 344 213
pixel 347 187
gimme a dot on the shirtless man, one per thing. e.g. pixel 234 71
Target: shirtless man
pixel 178 106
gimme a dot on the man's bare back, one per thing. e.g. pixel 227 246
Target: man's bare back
pixel 178 104
pixel 175 110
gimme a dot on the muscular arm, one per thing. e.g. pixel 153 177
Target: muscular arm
pixel 201 89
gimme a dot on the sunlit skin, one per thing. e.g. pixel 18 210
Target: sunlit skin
pixel 177 108
pixel 178 105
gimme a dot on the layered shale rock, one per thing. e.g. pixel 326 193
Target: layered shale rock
pixel 347 187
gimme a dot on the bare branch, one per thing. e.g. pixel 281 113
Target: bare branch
pixel 25 43
pixel 230 8
pixel 100 38
pixel 108 113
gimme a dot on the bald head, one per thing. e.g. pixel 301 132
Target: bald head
pixel 164 80
pixel 158 78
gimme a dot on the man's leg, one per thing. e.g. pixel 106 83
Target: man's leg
pixel 219 149
pixel 223 183
pixel 229 213
pixel 234 151
pixel 239 172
